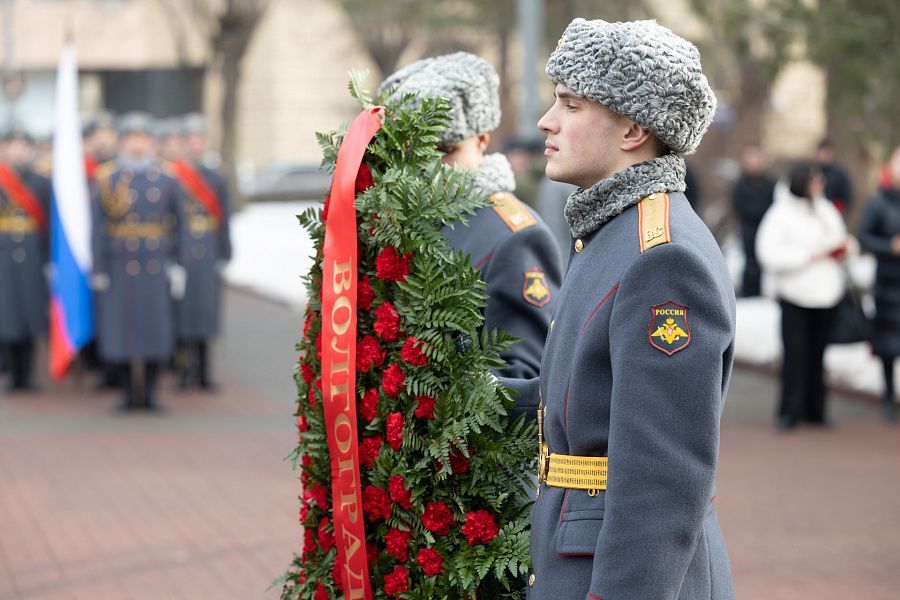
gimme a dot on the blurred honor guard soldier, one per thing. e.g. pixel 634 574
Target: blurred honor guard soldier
pixel 24 219
pixel 136 233
pixel 205 248
pixel 640 350
pixel 511 246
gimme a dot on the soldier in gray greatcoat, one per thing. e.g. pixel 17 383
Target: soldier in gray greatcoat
pixel 205 249
pixel 639 355
pixel 506 241
pixel 135 245
pixel 24 222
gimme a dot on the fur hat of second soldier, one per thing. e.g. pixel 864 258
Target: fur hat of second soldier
pixel 641 70
pixel 468 82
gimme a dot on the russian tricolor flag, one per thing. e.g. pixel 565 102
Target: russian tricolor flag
pixel 71 302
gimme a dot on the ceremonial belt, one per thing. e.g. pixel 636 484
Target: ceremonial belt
pixel 18 224
pixel 138 230
pixel 564 471
pixel 577 472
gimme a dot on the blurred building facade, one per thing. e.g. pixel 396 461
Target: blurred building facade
pixel 151 55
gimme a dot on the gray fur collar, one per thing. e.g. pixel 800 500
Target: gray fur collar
pixel 494 175
pixel 588 209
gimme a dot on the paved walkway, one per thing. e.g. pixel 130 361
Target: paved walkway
pixel 199 503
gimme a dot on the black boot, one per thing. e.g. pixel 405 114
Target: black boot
pixel 126 379
pixel 21 358
pixel 203 366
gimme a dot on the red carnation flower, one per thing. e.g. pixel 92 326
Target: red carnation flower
pixel 307 323
pixel 387 322
pixel 326 538
pixel 364 294
pixel 412 352
pixel 437 518
pixel 319 346
pixel 325 209
pixel 425 408
pixel 399 493
pixel 459 462
pixel 311 396
pixel 431 562
pixel 395 425
pixel 363 179
pixel 397 543
pixel 307 371
pixel 304 512
pixel 368 354
pixel 392 380
pixel 337 573
pixel 302 424
pixel 480 527
pixel 395 581
pixel 369 449
pixel 309 544
pixel 368 405
pixel 390 266
pixel 376 503
pixel 321 593
pixel 320 495
pixel 372 553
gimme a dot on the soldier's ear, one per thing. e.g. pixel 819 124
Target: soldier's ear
pixel 484 140
pixel 636 137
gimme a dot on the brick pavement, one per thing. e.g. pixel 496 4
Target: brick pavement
pixel 198 503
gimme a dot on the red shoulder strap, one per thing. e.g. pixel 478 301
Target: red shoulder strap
pixel 90 167
pixel 197 186
pixel 19 193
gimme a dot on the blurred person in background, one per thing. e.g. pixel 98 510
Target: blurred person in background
pixel 24 222
pixel 169 139
pixel 136 232
pixel 205 249
pixel 838 187
pixel 801 242
pixel 879 233
pixel 751 197
pixel 692 189
pixel 507 241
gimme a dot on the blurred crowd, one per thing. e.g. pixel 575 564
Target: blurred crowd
pixel 159 239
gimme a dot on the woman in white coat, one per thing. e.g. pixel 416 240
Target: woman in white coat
pixel 801 242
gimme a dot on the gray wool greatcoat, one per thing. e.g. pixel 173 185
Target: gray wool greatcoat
pixel 519 261
pixel 135 239
pixel 202 248
pixel 613 388
pixel 23 256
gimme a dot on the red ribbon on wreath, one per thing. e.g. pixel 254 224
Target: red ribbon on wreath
pixel 339 355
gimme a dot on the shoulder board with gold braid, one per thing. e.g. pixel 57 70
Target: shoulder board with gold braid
pixel 653 221
pixel 509 208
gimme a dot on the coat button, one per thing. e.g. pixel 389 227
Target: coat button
pixel 133 267
pixel 579 245
pixel 531 580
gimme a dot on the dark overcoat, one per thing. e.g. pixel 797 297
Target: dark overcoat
pixel 619 380
pixel 23 258
pixel 204 247
pixel 880 223
pixel 136 229
pixel 519 261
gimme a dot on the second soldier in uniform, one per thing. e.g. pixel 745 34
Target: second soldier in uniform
pixel 510 245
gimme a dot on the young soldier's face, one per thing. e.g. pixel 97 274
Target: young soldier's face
pixel 583 139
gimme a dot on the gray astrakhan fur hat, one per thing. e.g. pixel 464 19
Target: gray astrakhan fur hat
pixel 641 70
pixel 468 82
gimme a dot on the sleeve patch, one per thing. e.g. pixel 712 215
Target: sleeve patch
pixel 669 330
pixel 513 212
pixel 535 289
